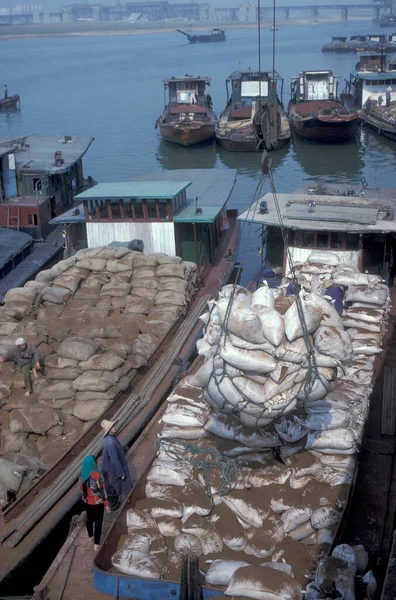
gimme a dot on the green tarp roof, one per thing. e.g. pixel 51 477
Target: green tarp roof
pixel 134 189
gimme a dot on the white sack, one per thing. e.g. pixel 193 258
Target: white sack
pixel 241 320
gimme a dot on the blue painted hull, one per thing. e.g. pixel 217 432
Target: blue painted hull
pixel 124 586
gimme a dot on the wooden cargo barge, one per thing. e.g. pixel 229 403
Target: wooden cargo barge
pixel 188 117
pixel 315 112
pixel 27 522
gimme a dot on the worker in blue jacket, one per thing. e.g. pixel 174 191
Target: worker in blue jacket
pixel 114 466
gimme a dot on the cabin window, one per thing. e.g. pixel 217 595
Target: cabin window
pixel 37 184
pixel 294 237
pixel 336 239
pixel 32 219
pixel 152 209
pixel 308 239
pixel 116 210
pixel 322 240
pixel 127 209
pixel 103 212
pixel 352 241
pixel 163 210
pixel 138 209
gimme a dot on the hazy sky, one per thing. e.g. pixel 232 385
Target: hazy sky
pixel 55 4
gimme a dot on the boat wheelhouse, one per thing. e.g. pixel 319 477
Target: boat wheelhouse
pixel 372 91
pixel 188 117
pixel 242 123
pixel 179 212
pixel 38 177
pixel 357 229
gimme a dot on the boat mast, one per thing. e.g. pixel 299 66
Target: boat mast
pixel 259 45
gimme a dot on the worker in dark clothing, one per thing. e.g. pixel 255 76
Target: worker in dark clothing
pixel 367 105
pixel 209 100
pixel 294 288
pixel 5 92
pixel 114 466
pixel 335 293
pixel 388 96
pixel 28 358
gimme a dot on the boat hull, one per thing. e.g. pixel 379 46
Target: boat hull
pixel 11 102
pixel 384 129
pixel 204 39
pixel 323 121
pixel 186 134
pixel 239 143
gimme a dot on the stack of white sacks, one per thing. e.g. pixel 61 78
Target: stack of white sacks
pixel 292 426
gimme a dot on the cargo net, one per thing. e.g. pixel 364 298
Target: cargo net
pixel 213 464
pixel 247 342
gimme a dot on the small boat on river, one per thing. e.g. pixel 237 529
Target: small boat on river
pixel 372 91
pixel 9 102
pixel 315 112
pixel 188 117
pixel 243 125
pixel 216 35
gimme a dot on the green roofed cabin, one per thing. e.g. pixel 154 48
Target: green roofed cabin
pixel 180 212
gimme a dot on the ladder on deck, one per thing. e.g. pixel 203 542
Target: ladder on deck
pixel 14 220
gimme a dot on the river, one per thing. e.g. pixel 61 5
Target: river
pixel 110 87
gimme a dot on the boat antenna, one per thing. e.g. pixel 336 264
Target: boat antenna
pixel 259 43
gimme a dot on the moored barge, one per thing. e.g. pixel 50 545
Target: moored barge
pixel 188 117
pixel 315 112
pixel 243 125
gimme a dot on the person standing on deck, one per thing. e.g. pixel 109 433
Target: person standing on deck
pixel 114 466
pixel 93 489
pixel 367 105
pixel 380 101
pixel 27 357
pixel 5 92
pixel 388 96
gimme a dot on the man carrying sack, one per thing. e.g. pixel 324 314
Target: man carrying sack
pixel 114 466
pixel 27 357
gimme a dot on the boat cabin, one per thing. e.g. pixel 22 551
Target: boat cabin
pixel 357 229
pixel 186 95
pixel 38 177
pixel 179 212
pixel 314 85
pixel 377 37
pixel 372 61
pixel 372 84
pixel 244 88
pixel 357 38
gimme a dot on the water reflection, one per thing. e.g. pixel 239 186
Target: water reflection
pixel 173 156
pixel 341 162
pixel 249 163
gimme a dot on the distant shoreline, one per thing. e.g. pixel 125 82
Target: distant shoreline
pixel 83 29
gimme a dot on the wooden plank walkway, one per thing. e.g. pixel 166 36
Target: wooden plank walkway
pixel 42 253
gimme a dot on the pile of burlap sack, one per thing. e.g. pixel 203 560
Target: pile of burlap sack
pixel 258 447
pixel 96 318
